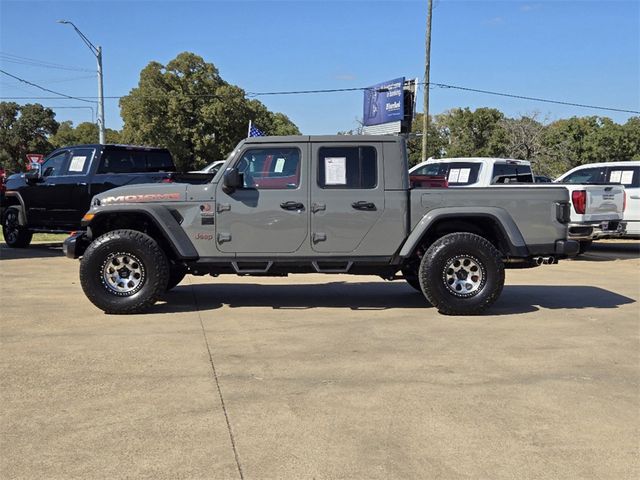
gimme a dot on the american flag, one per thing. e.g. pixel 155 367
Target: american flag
pixel 256 132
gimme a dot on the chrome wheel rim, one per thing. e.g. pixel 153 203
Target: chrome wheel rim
pixel 464 276
pixel 123 274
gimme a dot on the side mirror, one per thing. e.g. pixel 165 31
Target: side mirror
pixel 232 180
pixel 33 176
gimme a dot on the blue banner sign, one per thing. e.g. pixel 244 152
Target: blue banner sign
pixel 384 103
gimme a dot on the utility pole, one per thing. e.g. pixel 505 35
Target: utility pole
pixel 427 68
pixel 101 127
pixel 97 51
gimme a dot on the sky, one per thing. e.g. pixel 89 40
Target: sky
pixel 585 52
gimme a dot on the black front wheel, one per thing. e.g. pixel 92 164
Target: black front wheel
pixel 15 235
pixel 124 271
pixel 462 274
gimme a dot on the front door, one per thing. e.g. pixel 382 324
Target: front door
pixel 347 195
pixel 42 200
pixel 269 214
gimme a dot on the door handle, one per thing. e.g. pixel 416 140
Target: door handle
pixel 635 197
pixel 316 207
pixel 292 206
pixel 362 205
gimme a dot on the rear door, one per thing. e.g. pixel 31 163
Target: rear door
pixel 269 214
pixel 347 195
pixel 72 189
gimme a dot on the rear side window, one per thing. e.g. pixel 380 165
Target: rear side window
pixel 159 161
pixel 135 161
pixel 511 173
pixel 586 175
pixel 122 161
pixel 80 161
pixel 627 176
pixel 347 167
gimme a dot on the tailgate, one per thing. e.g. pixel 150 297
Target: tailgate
pixel 604 202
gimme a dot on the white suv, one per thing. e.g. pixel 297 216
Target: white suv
pixel 625 173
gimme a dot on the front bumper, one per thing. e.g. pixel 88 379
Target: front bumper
pixel 75 245
pixel 592 231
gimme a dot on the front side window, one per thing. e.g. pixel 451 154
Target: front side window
pixel 585 175
pixel 55 166
pixel 347 167
pixel 432 169
pixel 270 168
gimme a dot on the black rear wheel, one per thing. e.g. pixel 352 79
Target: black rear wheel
pixel 15 235
pixel 462 274
pixel 124 271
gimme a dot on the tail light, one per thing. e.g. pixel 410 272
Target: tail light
pixel 579 199
pixel 167 180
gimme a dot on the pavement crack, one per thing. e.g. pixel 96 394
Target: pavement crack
pixel 217 381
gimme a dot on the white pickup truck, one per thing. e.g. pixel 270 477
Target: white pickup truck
pixel 597 211
pixel 625 173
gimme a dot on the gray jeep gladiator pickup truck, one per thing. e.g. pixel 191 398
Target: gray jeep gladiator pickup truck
pixel 318 204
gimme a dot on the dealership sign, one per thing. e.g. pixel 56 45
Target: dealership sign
pixel 384 103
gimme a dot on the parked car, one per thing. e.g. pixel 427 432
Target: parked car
pixel 624 173
pixel 55 196
pixel 326 204
pixel 213 167
pixel 476 171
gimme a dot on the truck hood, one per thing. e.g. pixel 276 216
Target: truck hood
pixel 146 193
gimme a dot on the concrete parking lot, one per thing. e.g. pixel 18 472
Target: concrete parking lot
pixel 322 377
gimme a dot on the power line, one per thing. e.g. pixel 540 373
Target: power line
pixel 45 89
pixel 535 99
pixel 352 89
pixel 10 58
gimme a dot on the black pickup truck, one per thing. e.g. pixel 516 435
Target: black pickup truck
pixel 54 197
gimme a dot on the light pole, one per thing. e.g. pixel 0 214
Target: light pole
pixel 97 51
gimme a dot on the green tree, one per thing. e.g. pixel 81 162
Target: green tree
pixel 476 133
pixel 84 133
pixel 24 129
pixel 436 140
pixel 187 107
pixel 632 131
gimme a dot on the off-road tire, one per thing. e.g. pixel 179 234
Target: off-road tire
pixel 435 273
pixel 584 246
pixel 176 274
pixel 146 255
pixel 412 278
pixel 15 235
